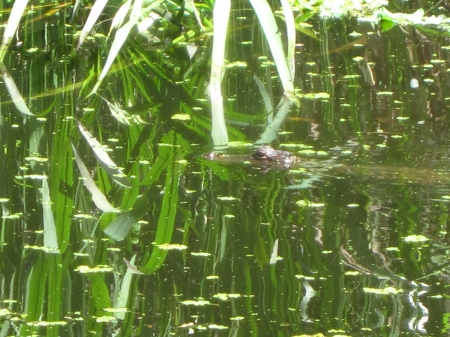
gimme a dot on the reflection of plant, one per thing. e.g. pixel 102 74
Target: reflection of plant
pixel 148 23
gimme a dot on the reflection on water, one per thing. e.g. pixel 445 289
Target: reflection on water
pixel 351 241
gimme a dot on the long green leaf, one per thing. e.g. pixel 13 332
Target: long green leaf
pixel 120 37
pixel 16 96
pixel 291 33
pixel 11 27
pixel 96 11
pixel 120 16
pixel 270 29
pixel 220 16
pixel 98 197
pixel 104 159
pixel 50 237
pixel 271 131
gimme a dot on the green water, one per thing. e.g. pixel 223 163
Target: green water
pixel 353 241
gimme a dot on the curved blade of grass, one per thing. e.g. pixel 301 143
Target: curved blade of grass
pixel 120 16
pixel 50 237
pixel 271 131
pixel 120 38
pixel 98 197
pixel 16 97
pixel 190 5
pixel 96 11
pixel 266 97
pixel 166 219
pixel 122 116
pixel 119 228
pixel 270 29
pixel 104 159
pixel 274 258
pixel 36 275
pixel 144 26
pixel 123 295
pixel 76 7
pixel 291 33
pixel 220 17
pixel 12 24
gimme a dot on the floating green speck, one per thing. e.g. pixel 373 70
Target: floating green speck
pixel 12 216
pixel 305 203
pixel 95 269
pixel 227 198
pixel 237 64
pixel 303 277
pixel 115 309
pixel 37 159
pixel 200 254
pixel 384 291
pixel 83 216
pixel 169 246
pixel 416 238
pixel 4 312
pixel 181 117
pixel 196 303
pixel 355 34
pixel 217 327
pixel 46 323
pixel 225 297
pixel 106 319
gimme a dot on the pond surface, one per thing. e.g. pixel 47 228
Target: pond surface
pixel 116 223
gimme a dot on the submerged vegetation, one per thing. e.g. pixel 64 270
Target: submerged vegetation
pixel 113 221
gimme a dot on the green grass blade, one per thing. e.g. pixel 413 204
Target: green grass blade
pixel 122 116
pixel 271 131
pixel 190 5
pixel 220 17
pixel 98 197
pixel 119 228
pixel 76 7
pixel 120 16
pixel 12 24
pixel 166 219
pixel 16 96
pixel 267 99
pixel 291 35
pixel 96 11
pixel 270 29
pixel 119 39
pixel 123 295
pixel 104 159
pixel 50 237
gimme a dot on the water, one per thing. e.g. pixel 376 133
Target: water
pixel 350 241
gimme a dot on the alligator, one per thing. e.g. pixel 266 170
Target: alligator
pixel 269 158
pixel 265 155
pixel 269 154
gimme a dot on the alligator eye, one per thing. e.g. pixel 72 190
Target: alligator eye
pixel 259 156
